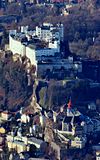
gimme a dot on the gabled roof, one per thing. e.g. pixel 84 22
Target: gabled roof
pixel 72 119
pixel 67 119
pixel 76 119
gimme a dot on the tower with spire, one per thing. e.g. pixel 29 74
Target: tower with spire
pixel 69 108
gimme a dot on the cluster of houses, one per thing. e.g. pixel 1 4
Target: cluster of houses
pixel 68 126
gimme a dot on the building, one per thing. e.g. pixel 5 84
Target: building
pixel 98 155
pixel 48 32
pixel 25 140
pixel 92 106
pixel 34 49
pixel 72 121
pixel 42 47
pixel 43 42
pixel 96 149
pixel 52 64
pixel 2 138
pixel 73 125
pixel 77 124
pixel 25 118
pixel 5 115
pixel 17 145
pixel 79 142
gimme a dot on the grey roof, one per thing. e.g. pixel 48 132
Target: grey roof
pixel 45 27
pixel 67 119
pixel 76 119
pixel 73 119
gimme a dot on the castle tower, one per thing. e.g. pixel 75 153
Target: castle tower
pixel 69 108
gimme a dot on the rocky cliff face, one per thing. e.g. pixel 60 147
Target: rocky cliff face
pixel 14 86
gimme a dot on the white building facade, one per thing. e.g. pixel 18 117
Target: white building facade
pixel 16 46
pixel 47 32
pixel 33 54
pixel 25 43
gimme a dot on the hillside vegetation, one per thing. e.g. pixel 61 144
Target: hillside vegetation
pixel 14 88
